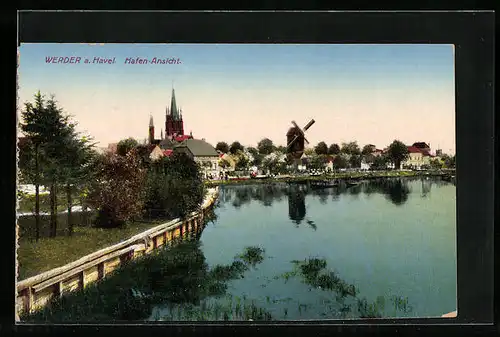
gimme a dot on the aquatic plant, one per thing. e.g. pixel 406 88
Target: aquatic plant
pixel 175 275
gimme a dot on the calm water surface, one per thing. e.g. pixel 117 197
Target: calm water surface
pixel 392 239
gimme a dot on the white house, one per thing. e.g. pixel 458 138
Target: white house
pixel 203 153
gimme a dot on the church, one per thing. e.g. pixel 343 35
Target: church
pixel 174 127
pixel 175 140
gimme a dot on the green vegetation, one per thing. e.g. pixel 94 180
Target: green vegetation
pixel 336 175
pixel 176 276
pixel 342 300
pixel 114 186
pixel 36 257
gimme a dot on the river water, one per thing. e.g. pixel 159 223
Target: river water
pixel 393 239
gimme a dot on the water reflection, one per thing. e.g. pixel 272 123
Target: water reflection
pixel 395 190
pixel 296 204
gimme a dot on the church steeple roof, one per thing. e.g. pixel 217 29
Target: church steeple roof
pixel 173 107
pixel 151 121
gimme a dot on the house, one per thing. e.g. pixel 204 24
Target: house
pixel 229 159
pixel 417 157
pixel 422 146
pixel 203 153
pixel 156 153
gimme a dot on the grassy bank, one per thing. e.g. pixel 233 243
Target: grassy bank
pixel 48 253
pixel 336 175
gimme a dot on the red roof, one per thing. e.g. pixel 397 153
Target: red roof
pixel 167 153
pixel 182 138
pixel 413 149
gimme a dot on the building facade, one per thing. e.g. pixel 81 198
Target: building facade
pixel 174 127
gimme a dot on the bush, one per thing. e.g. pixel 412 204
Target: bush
pixel 174 187
pixel 118 192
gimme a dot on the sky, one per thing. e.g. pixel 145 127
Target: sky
pixel 372 94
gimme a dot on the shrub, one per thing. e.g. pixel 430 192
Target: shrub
pixel 174 187
pixel 118 192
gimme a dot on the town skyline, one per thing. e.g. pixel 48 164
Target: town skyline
pixel 371 94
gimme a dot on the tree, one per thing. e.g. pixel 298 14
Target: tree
pixel 309 152
pixel 266 146
pixel 334 149
pixel 321 148
pixel 235 147
pixel 257 157
pixel 368 149
pixel 449 162
pixel 281 149
pixel 175 188
pixel 397 153
pixel 355 161
pixel 242 162
pixel 117 193
pixel 436 164
pixel 50 134
pixel 317 162
pixel 379 163
pixel 340 162
pixel 222 147
pixel 224 163
pixel 350 148
pixel 77 170
pixel 125 145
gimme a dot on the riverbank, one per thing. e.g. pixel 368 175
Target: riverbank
pixel 48 253
pixel 336 175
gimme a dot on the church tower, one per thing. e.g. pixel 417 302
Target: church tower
pixel 151 130
pixel 174 125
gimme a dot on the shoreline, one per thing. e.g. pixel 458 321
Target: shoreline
pixel 340 176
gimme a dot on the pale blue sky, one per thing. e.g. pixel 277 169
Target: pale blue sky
pixel 369 93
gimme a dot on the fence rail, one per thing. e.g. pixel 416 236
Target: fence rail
pixel 36 291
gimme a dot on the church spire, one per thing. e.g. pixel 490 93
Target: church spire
pixel 151 121
pixel 173 107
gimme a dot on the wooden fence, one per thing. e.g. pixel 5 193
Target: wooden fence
pixel 35 292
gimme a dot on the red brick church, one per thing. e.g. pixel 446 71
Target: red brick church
pixel 174 127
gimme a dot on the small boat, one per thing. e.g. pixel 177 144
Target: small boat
pixel 350 183
pixel 323 184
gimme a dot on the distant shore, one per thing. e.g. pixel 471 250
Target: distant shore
pixel 337 175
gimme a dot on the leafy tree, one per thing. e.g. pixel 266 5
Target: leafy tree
pixel 317 162
pixel 449 162
pixel 369 158
pixel 436 164
pixel 334 149
pixel 224 163
pixel 340 162
pixel 257 157
pixel 125 145
pixel 368 149
pixel 117 193
pixel 266 146
pixel 321 148
pixel 350 148
pixel 281 149
pixel 355 161
pixel 235 147
pixel 174 188
pixel 222 147
pixel 242 162
pixel 309 152
pixel 397 153
pixel 379 163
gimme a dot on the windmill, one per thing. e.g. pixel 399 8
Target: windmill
pixel 296 140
